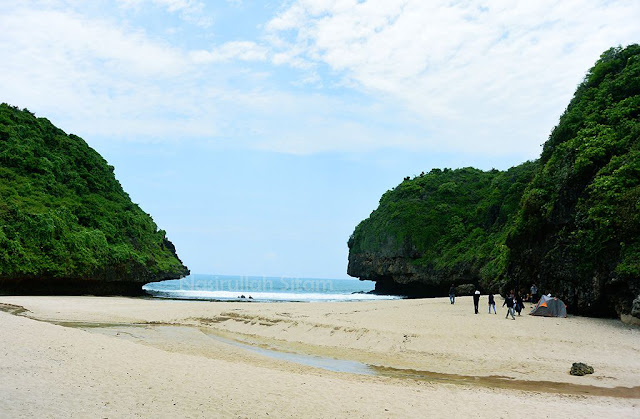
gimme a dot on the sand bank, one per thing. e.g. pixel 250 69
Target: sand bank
pixel 114 357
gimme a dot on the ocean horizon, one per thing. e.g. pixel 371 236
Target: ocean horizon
pixel 264 289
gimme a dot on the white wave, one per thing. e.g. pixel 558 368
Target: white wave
pixel 263 296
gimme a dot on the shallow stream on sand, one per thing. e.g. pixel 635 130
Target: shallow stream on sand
pixel 356 367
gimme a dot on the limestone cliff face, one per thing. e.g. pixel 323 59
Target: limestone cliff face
pixel 399 276
pixel 392 275
pixel 66 225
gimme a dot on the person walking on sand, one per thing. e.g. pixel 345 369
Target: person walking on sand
pixel 452 294
pixel 476 300
pixel 509 303
pixel 534 294
pixel 492 303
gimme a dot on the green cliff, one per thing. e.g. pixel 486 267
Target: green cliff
pixel 66 225
pixel 569 222
pixel 443 227
pixel 578 230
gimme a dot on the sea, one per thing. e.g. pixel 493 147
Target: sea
pixel 264 289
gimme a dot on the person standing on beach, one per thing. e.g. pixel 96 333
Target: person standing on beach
pixel 509 303
pixel 476 300
pixel 519 304
pixel 452 294
pixel 534 294
pixel 492 303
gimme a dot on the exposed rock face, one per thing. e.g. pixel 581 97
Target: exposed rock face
pixel 113 280
pixel 635 309
pixel 466 289
pixel 394 275
pixel 37 286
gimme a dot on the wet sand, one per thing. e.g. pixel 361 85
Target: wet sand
pixel 115 357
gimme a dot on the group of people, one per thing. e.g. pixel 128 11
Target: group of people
pixel 514 304
pixel 514 301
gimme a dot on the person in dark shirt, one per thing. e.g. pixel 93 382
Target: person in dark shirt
pixel 476 300
pixel 519 304
pixel 452 294
pixel 509 303
pixel 492 303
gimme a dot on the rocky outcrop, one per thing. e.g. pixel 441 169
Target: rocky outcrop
pixel 439 228
pixel 466 289
pixel 399 276
pixel 111 280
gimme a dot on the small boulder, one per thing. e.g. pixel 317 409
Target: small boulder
pixel 465 289
pixel 635 308
pixel 580 369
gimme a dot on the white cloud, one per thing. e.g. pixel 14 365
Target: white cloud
pixel 229 51
pixel 100 77
pixel 56 39
pixel 190 10
pixel 499 74
pixel 324 76
pixel 97 79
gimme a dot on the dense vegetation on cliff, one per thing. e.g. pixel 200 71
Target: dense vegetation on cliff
pixel 441 227
pixel 578 230
pixel 64 216
pixel 570 221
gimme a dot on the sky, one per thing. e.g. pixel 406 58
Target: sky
pixel 258 134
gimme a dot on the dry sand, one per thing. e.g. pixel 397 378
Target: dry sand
pixel 125 357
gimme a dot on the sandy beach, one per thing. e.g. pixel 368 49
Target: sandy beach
pixel 129 357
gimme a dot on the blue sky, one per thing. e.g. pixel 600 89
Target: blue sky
pixel 258 134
